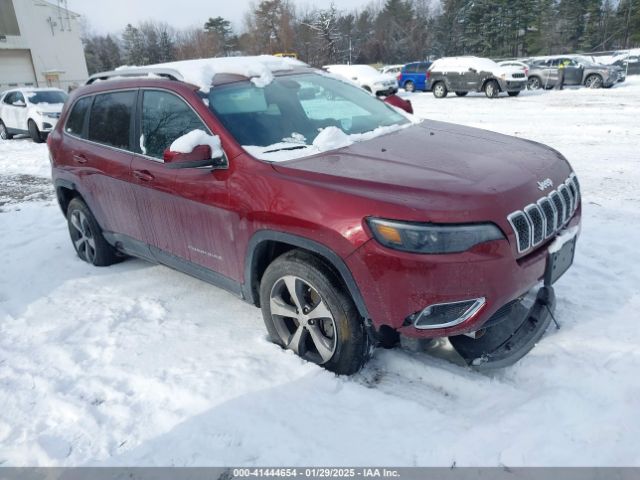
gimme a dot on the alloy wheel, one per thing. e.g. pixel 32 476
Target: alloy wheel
pixel 302 319
pixel 82 236
pixel 439 90
pixel 409 86
pixel 594 81
pixel 534 83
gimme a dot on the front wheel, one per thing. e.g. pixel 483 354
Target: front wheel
pixel 491 89
pixel 36 136
pixel 307 310
pixel 440 90
pixel 513 94
pixel 4 133
pixel 593 81
pixel 534 83
pixel 409 86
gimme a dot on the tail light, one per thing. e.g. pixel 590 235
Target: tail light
pixel 428 75
pixel 399 76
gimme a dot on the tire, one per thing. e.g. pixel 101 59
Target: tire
pixel 36 136
pixel 593 81
pixel 86 236
pixel 513 94
pixel 409 86
pixel 440 90
pixel 336 338
pixel 491 89
pixel 4 133
pixel 462 94
pixel 534 83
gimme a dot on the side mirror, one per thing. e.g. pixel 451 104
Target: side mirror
pixel 399 102
pixel 200 156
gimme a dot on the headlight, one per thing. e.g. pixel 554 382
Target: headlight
pixel 432 238
pixel 48 114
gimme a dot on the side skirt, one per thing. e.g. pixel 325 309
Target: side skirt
pixel 139 249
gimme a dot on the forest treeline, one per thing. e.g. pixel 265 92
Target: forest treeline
pixel 394 31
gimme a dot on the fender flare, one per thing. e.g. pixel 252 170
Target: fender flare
pixel 300 242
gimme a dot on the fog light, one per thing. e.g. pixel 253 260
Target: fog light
pixel 442 315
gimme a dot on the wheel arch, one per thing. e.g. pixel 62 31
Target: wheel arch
pixel 266 245
pixel 65 192
pixel 490 79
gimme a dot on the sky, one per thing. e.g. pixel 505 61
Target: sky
pixel 106 16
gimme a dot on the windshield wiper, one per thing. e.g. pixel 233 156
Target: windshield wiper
pixel 296 147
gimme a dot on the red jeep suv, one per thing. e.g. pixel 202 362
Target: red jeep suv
pixel 347 221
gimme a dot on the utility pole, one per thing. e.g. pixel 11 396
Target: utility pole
pixel 626 36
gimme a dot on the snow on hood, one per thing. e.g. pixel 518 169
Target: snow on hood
pixel 201 72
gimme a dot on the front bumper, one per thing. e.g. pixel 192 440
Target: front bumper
pixel 395 285
pixel 46 124
pixel 513 336
pixel 513 86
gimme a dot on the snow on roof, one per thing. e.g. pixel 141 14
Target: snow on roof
pixel 201 72
pixel 464 63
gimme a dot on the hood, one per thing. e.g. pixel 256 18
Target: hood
pixel 439 167
pixel 47 107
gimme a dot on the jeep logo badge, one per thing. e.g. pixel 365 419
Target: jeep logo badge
pixel 544 184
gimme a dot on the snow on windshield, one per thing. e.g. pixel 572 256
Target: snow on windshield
pixel 330 138
pixel 258 68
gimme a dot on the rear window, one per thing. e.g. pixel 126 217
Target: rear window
pixel 75 122
pixel 110 119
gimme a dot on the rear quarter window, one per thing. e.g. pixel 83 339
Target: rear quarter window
pixel 75 122
pixel 110 119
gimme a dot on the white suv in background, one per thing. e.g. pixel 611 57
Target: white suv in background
pixel 366 77
pixel 30 110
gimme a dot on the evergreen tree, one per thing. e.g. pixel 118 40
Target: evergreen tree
pixel 133 46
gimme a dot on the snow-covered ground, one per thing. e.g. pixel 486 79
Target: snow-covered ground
pixel 140 365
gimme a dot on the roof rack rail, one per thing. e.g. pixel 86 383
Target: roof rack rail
pixel 167 73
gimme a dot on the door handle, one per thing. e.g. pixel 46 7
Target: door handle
pixel 79 158
pixel 143 175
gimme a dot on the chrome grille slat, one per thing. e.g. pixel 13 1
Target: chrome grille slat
pixel 539 221
pixel 550 214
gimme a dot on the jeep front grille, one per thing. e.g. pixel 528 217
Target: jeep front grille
pixel 539 221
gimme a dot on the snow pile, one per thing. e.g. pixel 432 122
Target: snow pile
pixel 329 138
pixel 201 72
pixel 187 142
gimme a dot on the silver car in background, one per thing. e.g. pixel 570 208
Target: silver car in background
pixel 578 70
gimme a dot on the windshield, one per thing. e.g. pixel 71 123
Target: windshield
pixel 294 109
pixel 46 96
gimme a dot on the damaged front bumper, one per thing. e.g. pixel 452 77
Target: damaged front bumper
pixel 505 341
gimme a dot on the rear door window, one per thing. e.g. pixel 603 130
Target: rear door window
pixel 111 118
pixel 75 122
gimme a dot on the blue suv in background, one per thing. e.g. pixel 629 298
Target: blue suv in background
pixel 414 77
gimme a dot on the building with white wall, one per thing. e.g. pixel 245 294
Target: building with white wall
pixel 40 45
